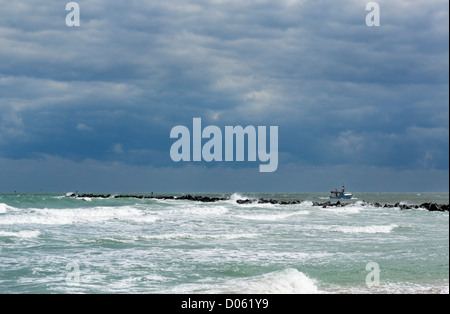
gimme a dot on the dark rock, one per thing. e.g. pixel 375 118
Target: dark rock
pixel 435 208
pixel 246 201
pixel 206 199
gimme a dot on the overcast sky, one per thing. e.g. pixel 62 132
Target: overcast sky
pixel 91 108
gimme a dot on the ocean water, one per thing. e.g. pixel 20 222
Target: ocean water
pixel 53 244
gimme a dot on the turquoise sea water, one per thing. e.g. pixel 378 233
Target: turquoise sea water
pixel 53 244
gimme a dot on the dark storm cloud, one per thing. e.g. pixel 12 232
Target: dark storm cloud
pixel 341 93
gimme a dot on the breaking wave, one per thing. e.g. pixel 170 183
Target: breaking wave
pixel 287 281
pixel 77 215
pixel 5 208
pixel 21 234
pixel 271 217
pixel 357 229
pixel 180 236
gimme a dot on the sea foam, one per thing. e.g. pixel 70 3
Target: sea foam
pixel 270 217
pixel 186 236
pixel 5 208
pixel 69 216
pixel 355 229
pixel 28 234
pixel 287 281
pixel 366 229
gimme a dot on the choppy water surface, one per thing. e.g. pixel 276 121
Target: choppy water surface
pixel 53 244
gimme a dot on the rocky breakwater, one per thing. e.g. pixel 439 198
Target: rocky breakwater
pixel 264 201
pixel 197 198
pixel 205 199
pixel 428 206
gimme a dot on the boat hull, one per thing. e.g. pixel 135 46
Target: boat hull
pixel 345 196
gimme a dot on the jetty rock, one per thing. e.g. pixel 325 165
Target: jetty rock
pixel 204 199
pixel 264 201
pixel 432 207
pixel 330 204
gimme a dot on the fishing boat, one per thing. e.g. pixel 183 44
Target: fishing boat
pixel 342 194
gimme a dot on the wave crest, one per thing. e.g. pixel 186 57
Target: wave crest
pixel 21 234
pixel 288 281
pixel 6 208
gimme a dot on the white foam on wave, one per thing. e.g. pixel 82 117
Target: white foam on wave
pixel 271 217
pixel 357 229
pixel 106 240
pixel 343 210
pixel 195 210
pixel 288 281
pixel 5 208
pixel 367 229
pixel 180 236
pixel 236 196
pixel 306 204
pixel 27 234
pixel 163 201
pixel 78 215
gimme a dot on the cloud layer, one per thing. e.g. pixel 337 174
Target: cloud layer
pixel 342 94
